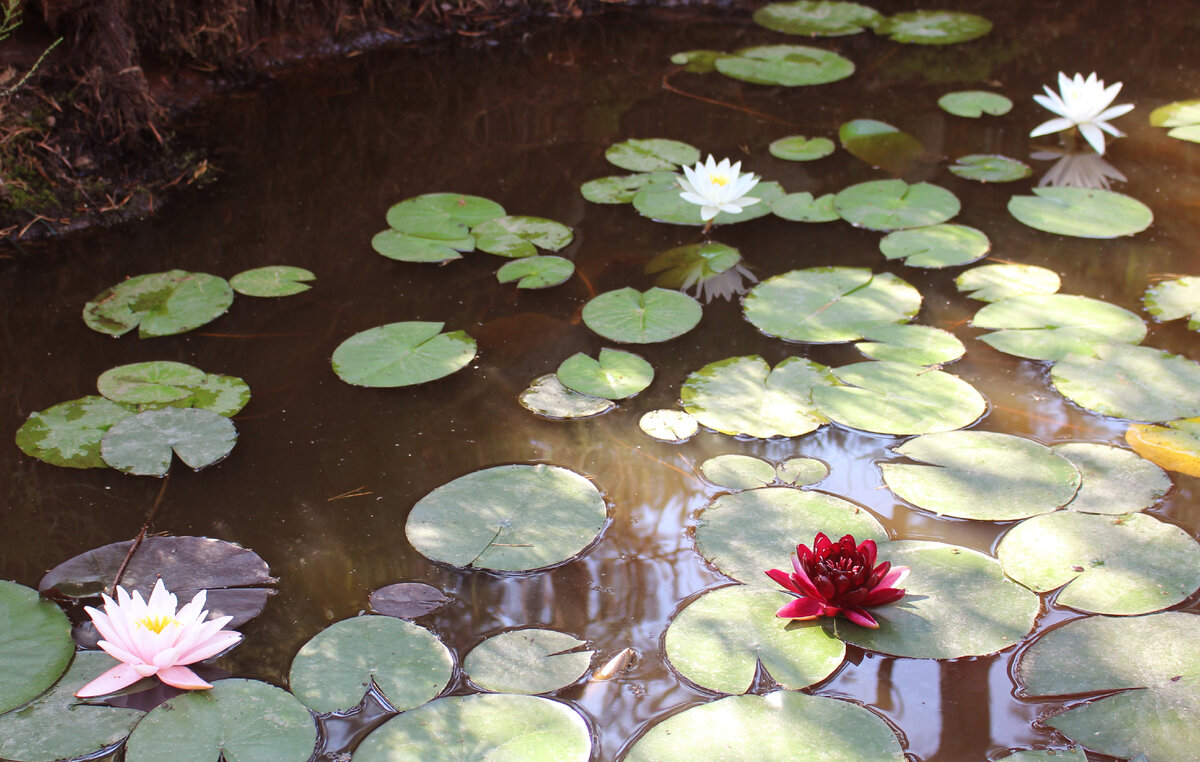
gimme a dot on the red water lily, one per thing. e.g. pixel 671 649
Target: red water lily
pixel 839 578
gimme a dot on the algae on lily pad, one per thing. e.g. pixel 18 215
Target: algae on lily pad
pixel 802 207
pixel 737 472
pixel 402 354
pixel 517 236
pixel 538 271
pixel 787 65
pixel 994 283
pixel 973 104
pixel 668 425
pixel 142 444
pixel 549 398
pixel 1174 446
pixel 662 203
pixel 894 205
pixel 800 148
pixel 615 375
pixel 745 396
pixel 620 189
pixel 1114 480
pixel 35 645
pixel 986 168
pixel 818 18
pixel 880 144
pixel 527 661
pixel 1173 299
pixel 934 27
pixel 272 281
pixel 935 246
pixel 898 398
pixel 652 154
pixel 642 317
pixel 1081 212
pixel 910 343
pixel 68 434
pixel 1134 382
pixel 159 304
pixel 1052 326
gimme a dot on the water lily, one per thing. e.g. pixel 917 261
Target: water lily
pixel 152 638
pixel 1082 103
pixel 839 578
pixel 717 187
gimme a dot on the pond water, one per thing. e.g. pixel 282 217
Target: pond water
pixel 324 473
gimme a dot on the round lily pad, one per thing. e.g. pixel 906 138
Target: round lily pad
pixel 615 375
pixel 738 471
pixel 403 247
pixel 69 433
pixel 142 444
pixel 536 271
pixel 800 148
pixel 975 103
pixel 1175 446
pixel 527 661
pixel 1052 326
pixel 944 245
pixel 993 283
pixel 1114 480
pixel 880 144
pixel 829 304
pixel 982 475
pixel 1081 212
pixel 744 395
pixel 402 354
pixel 663 203
pixel 273 280
pixel 894 205
pixel 35 645
pixel 1134 382
pixel 508 518
pixel 787 65
pixel 620 189
pixel 685 266
pixel 642 317
pixel 719 640
pixel 802 207
pixel 547 397
pixel 1175 298
pixel 149 383
pixel 899 398
pixel 408 600
pixel 824 18
pixel 442 216
pixel 916 344
pixel 669 425
pixel 987 168
pixel 334 670
pixel 1127 564
pixel 520 236
pixel 801 472
pixel 934 27
pixel 159 304
pixel 652 155
pixel 223 395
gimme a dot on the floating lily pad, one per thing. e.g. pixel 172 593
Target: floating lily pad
pixel 698 61
pixel 994 283
pixel 685 266
pixel 615 376
pixel 787 65
pixel 159 304
pixel 236 719
pixel 880 144
pixel 1124 381
pixel 1114 480
pixel 829 304
pixel 155 384
pixel 620 189
pixel 1176 114
pixel 982 475
pixel 1081 212
pixel 403 247
pixel 801 472
pixel 334 670
pixel 934 27
pixel 142 444
pixel 273 280
pixel 743 534
pixel 630 316
pixel 669 425
pixel 402 354
pixel 520 236
pixel 895 205
pixel 494 727
pixel 35 645
pixel 990 168
pixel 1124 565
pixel 899 398
pixel 800 148
pixel 719 640
pixel 943 245
pixel 547 397
pixel 1146 671
pixel 823 18
pixel 743 395
pixel 1070 754
pixel 1174 299
pixel 1190 133
pixel 663 203
pixel 1052 326
pixel 779 727
pixel 738 471
pixel 916 344
pixel 69 433
pixel 802 207
pixel 442 216
pixel 1175 446
pixel 508 518
pixel 527 661
pixel 223 395
pixel 408 600
pixel 975 103
pixel 652 155
pixel 536 271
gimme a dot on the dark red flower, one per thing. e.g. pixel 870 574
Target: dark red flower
pixel 839 578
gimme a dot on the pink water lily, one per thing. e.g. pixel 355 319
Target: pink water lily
pixel 152 638
pixel 839 578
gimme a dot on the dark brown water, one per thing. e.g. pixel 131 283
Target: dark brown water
pixel 309 165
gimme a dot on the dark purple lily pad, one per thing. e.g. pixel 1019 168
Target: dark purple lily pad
pixel 408 600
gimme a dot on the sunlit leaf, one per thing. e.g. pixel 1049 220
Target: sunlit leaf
pixel 800 148
pixel 69 433
pixel 745 396
pixel 669 425
pixel 975 103
pixel 1175 446
pixel 652 155
pixel 620 189
pixel 994 283
pixel 738 471
pixel 662 203
pixel 1114 480
pixel 1081 212
pixel 944 245
pixel 408 600
pixel 824 18
pixel 801 472
pixel 990 168
pixel 894 205
pixel 547 397
pixel 142 444
pixel 402 354
pixel 1190 133
pixel 273 280
pixel 615 375
pixel 802 207
pixel 442 216
pixel 1052 326
pixel 1174 299
pixel 909 343
pixel 520 236
pixel 934 27
pixel 35 645
pixel 630 316
pixel 787 65
pixel 1177 114
pixel 159 304
pixel 880 144
pixel 899 398
pixel 538 271
pixel 527 661
pixel 1124 381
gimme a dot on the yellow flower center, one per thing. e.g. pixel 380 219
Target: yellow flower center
pixel 156 624
pixel 720 180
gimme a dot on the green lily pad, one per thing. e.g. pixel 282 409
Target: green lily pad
pixel 779 727
pixel 615 376
pixel 1124 381
pixel 223 395
pixel 69 433
pixel 1052 326
pixel 35 645
pixel 880 144
pixel 934 27
pixel 1070 754
pixel 159 304
pixel 737 472
pixel 719 640
pixel 1173 299
pixel 236 719
pixel 698 61
pixel 743 395
pixel 899 398
pixel 508 518
pixel 149 383
pixel 982 475
pixel 142 444
pixel 957 603
pixel 787 65
pixel 1081 212
pixel 1190 133
pixel 547 397
pixel 801 472
pixel 1124 565
pixel 402 354
pixel 685 266
pixel 620 189
pixel 520 236
pixel 987 168
pixel 829 304
pixel 663 203
pixel 527 661
pixel 745 533
pixel 493 727
pixel 994 283
pixel 652 155
pixel 442 216
pixel 537 271
pixel 1143 675
pixel 1177 114
pixel 895 205
pixel 630 316
pixel 668 425
pixel 273 280
pixel 916 344
pixel 973 104
pixel 59 726
pixel 333 671
pixel 944 245
pixel 800 148
pixel 1114 480
pixel 403 247
pixel 824 18
pixel 802 207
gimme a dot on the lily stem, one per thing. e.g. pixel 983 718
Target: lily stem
pixel 141 535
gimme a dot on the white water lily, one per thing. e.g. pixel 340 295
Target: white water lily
pixel 717 187
pixel 1082 103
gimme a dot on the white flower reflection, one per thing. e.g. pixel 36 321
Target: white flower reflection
pixel 1077 170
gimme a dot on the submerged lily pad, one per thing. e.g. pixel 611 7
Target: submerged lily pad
pixel 669 425
pixel 994 283
pixel 155 384
pixel 975 103
pixel 1081 212
pixel 527 661
pixel 442 216
pixel 895 205
pixel 402 354
pixel 159 304
pixel 800 148
pixel 69 433
pixel 934 27
pixel 408 600
pixel 536 271
pixel 273 280
pixel 802 207
pixel 1175 446
pixel 1114 480
pixel 942 245
pixel 403 247
pixel 1175 298
pixel 663 203
pixel 698 61
pixel 899 398
pixel 738 471
pixel 508 518
pixel 35 645
pixel 547 397
pixel 1134 382
pixel 520 236
pixel 824 18
pixel 880 144
pixel 986 168
pixel 652 155
pixel 787 65
pixel 615 375
pixel 620 189
pixel 743 395
pixel 916 344
pixel 1052 326
pixel 685 266
pixel 142 444
pixel 642 317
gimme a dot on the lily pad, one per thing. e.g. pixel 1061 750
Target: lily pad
pixel 155 384
pixel 895 205
pixel 615 376
pixel 159 304
pixel 1175 298
pixel 899 398
pixel 801 472
pixel 1081 212
pixel 982 475
pixel 799 147
pixel 973 104
pixel 744 395
pixel 1176 114
pixel 1070 754
pixel 527 661
pixel 403 247
pixel 663 203
pixel 934 27
pixel 1175 446
pixel 719 640
pixel 1134 382
pixel 620 189
pixel 1114 480
pixel 35 645
pixel 402 354
pixel 236 719
pixel 668 425
pixel 1124 565
pixel 520 236
pixel 408 600
pixel 547 397
pixel 987 168
pixel 829 304
pixel 333 671
pixel 787 65
pixel 738 471
pixel 916 344
pixel 779 727
pixel 652 155
pixel 273 280
pixel 442 216
pixel 994 283
pixel 142 444
pixel 880 144
pixel 223 395
pixel 824 18
pixel 685 266
pixel 743 534
pixel 1143 674
pixel 508 518
pixel 1052 326
pixel 944 245
pixel 630 316
pixel 69 433
pixel 536 271
pixel 802 207
pixel 698 61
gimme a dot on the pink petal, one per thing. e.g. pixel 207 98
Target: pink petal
pixel 894 577
pixel 882 595
pixel 782 578
pixel 801 608
pixel 216 644
pixel 111 681
pixel 182 677
pixel 861 618
pixel 119 653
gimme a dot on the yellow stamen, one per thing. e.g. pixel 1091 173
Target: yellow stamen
pixel 721 180
pixel 156 623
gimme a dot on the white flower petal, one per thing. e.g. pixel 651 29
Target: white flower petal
pixel 1092 134
pixel 1054 125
